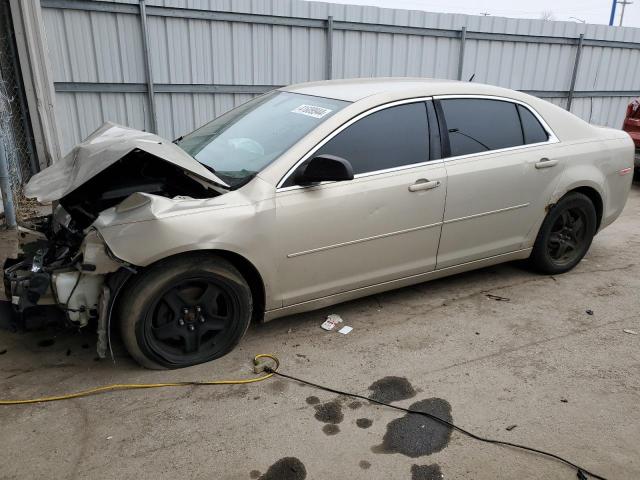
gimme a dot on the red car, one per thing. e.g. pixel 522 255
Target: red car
pixel 631 125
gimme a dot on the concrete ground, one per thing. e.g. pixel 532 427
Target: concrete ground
pixel 536 369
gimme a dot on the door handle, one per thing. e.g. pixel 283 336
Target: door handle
pixel 423 184
pixel 546 163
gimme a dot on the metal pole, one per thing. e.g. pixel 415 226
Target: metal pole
pixel 624 4
pixel 613 12
pixel 7 191
pixel 463 39
pixel 329 47
pixel 147 64
pixel 574 76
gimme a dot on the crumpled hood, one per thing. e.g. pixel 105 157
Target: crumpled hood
pixel 100 150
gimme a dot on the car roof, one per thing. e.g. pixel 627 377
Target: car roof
pixel 355 89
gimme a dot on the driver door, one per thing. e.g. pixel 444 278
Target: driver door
pixel 382 225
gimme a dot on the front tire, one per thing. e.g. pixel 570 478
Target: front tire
pixel 185 310
pixel 565 235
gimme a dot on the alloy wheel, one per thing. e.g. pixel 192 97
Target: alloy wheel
pixel 567 237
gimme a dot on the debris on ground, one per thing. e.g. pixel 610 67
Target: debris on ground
pixel 346 329
pixel 510 427
pixel 497 298
pixel 564 400
pixel 3 351
pixel 630 332
pixel 331 321
pixel 589 312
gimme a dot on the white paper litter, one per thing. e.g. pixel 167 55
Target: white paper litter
pixel 344 330
pixel 630 332
pixel 331 321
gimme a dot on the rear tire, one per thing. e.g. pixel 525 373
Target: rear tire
pixel 185 310
pixel 565 235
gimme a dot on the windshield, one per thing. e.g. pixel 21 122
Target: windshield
pixel 243 141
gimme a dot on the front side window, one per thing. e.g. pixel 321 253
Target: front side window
pixel 243 141
pixel 478 125
pixel 393 137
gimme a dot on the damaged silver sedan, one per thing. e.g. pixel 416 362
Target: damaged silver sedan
pixel 305 197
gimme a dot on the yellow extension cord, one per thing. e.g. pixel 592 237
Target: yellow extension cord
pixel 140 386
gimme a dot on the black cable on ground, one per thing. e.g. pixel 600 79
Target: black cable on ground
pixel 581 472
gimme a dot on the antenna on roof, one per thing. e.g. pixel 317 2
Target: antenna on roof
pixel 471 77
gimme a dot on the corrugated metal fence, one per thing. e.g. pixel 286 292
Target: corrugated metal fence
pixel 172 65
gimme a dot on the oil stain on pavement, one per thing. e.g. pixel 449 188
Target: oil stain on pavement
pixel 426 472
pixel 391 389
pixel 288 468
pixel 313 400
pixel 331 429
pixel 329 412
pixel 415 435
pixel 364 422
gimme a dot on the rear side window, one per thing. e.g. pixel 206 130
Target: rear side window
pixel 477 125
pixel 532 130
pixel 393 137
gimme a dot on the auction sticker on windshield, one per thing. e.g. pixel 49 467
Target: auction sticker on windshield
pixel 311 111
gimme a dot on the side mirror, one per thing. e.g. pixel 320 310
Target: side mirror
pixel 324 168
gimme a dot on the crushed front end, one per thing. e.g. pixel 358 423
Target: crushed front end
pixel 64 268
pixel 61 269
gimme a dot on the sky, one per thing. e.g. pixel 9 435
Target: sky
pixel 591 11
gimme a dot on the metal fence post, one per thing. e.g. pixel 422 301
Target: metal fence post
pixel 34 165
pixel 463 39
pixel 329 47
pixel 7 191
pixel 147 65
pixel 574 76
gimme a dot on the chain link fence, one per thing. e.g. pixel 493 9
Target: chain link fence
pixel 14 122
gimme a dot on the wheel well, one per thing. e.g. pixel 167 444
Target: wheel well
pixel 253 278
pixel 246 269
pixel 595 198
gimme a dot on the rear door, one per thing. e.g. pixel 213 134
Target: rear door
pixel 501 173
pixel 382 225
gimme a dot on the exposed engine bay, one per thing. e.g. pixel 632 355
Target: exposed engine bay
pixel 64 261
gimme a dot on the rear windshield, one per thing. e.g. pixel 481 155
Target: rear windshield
pixel 243 141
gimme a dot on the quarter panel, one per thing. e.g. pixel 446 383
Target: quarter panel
pixel 598 165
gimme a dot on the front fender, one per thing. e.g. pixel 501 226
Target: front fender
pixel 243 229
